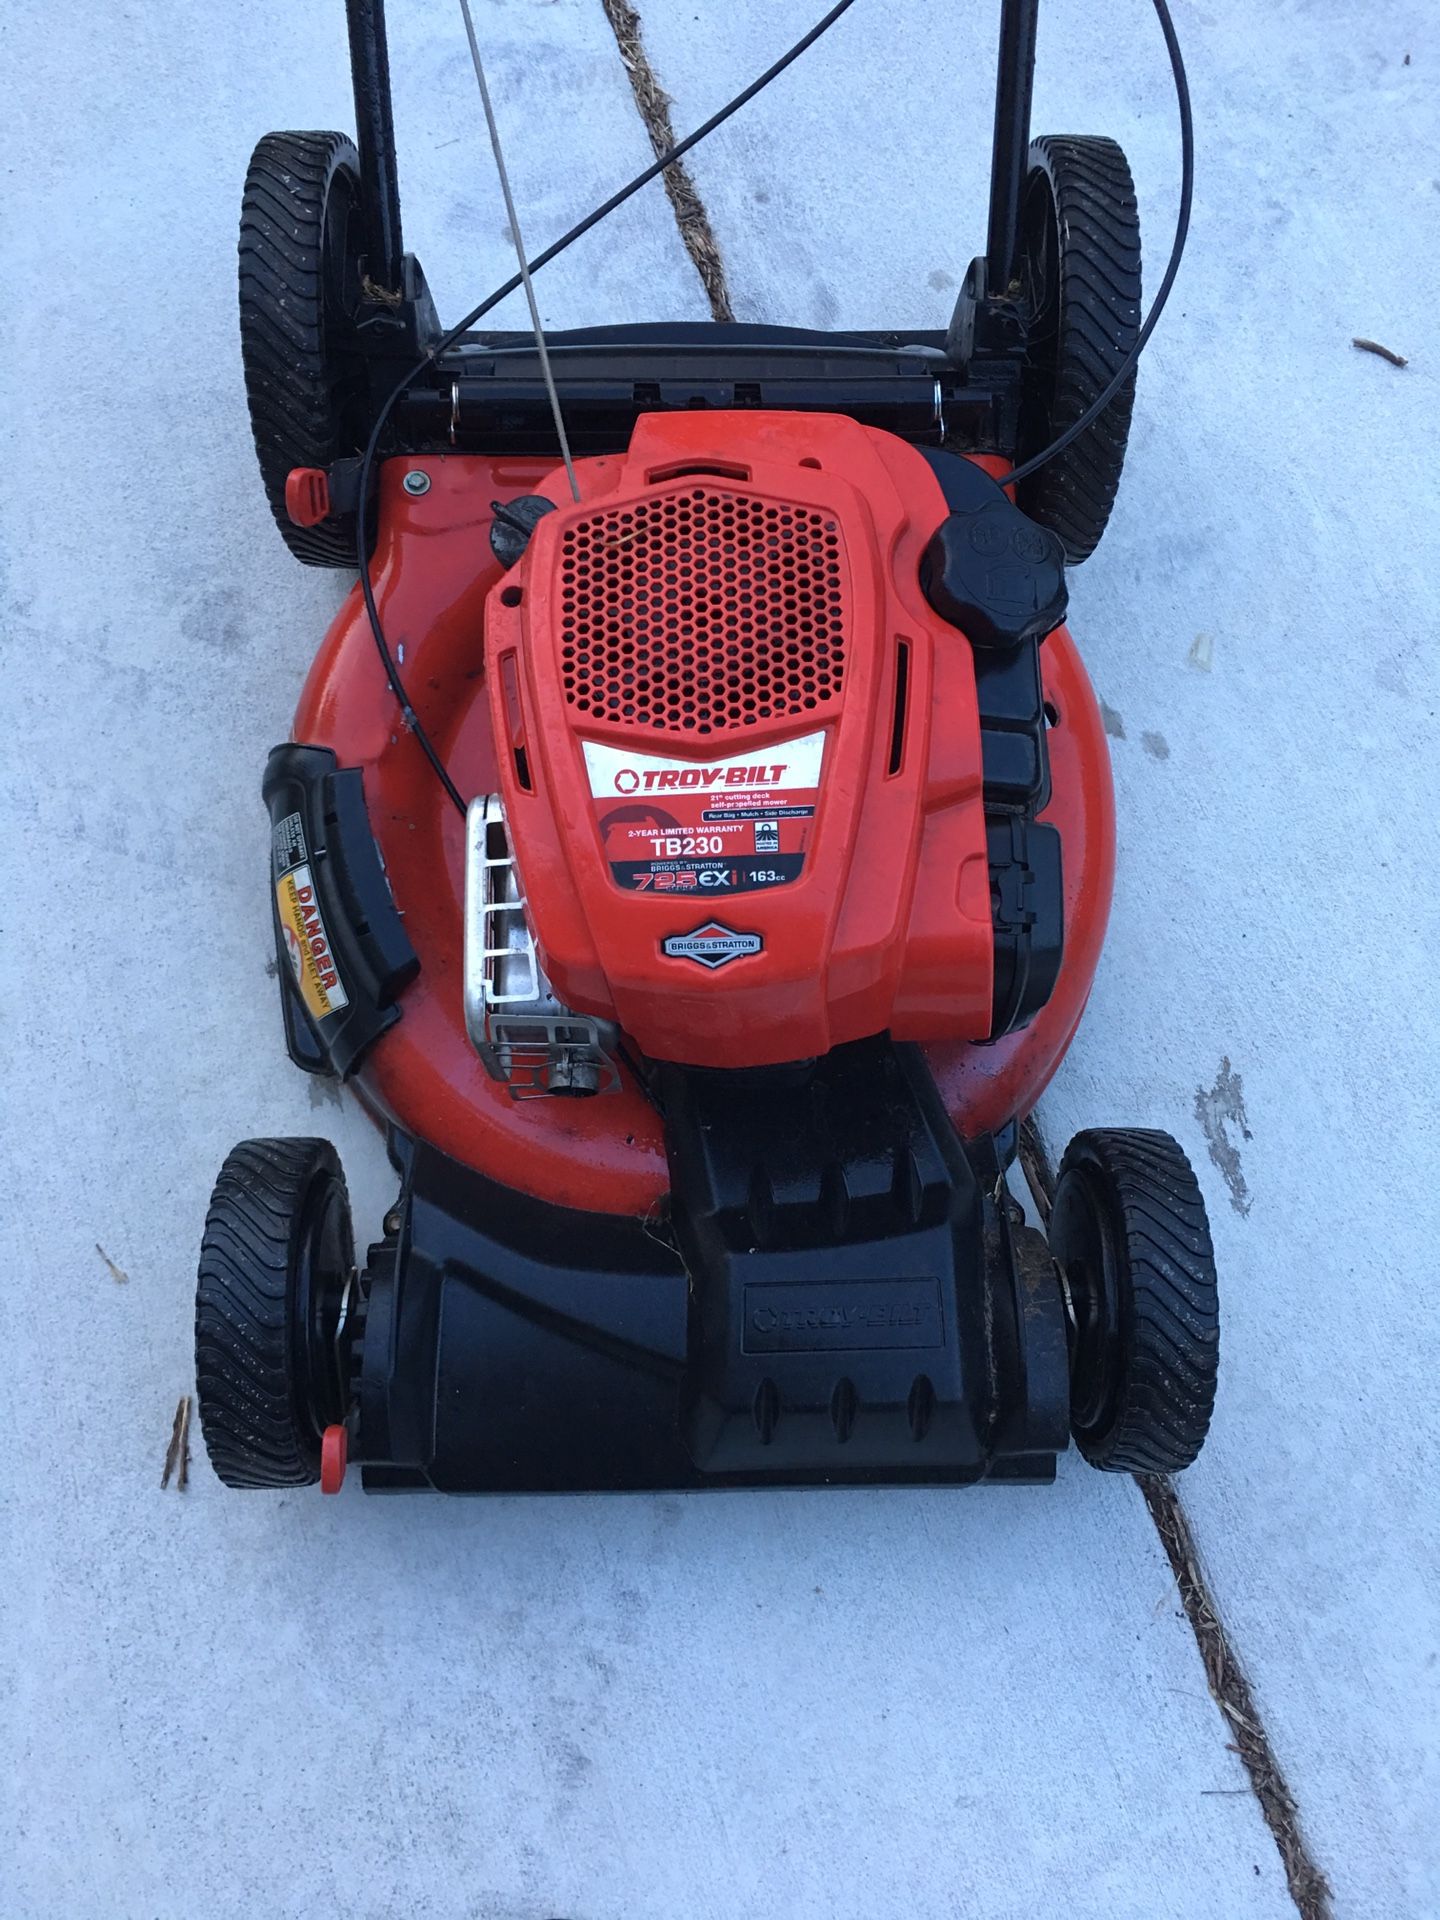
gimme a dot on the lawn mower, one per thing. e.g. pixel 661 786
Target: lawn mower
pixel 694 849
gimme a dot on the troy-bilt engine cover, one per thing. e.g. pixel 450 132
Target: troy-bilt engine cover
pixel 740 753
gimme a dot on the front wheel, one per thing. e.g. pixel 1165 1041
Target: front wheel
pixel 274 1303
pixel 1129 1233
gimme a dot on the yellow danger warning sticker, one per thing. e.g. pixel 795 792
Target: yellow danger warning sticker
pixel 307 944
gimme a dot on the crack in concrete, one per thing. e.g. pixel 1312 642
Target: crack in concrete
pixel 1229 1687
pixel 689 209
pixel 1308 1886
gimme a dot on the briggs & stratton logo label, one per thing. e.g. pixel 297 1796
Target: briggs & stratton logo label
pixel 711 945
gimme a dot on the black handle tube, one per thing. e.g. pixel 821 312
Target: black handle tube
pixel 1014 78
pixel 375 138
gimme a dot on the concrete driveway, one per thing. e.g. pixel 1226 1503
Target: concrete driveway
pixel 985 1705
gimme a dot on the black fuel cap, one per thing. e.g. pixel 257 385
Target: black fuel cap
pixel 513 524
pixel 990 570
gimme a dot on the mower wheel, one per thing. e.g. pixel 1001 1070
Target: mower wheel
pixel 1080 269
pixel 276 1269
pixel 1129 1233
pixel 299 289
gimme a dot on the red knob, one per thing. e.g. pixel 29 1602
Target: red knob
pixel 334 1454
pixel 307 495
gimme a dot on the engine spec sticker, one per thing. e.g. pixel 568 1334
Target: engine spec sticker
pixel 300 922
pixel 708 828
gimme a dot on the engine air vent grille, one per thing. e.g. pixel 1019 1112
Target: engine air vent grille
pixel 702 609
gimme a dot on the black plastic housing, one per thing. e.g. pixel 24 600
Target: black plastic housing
pixel 851 1307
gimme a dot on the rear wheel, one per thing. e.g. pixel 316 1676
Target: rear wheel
pixel 275 1288
pixel 300 287
pixel 1080 274
pixel 1129 1233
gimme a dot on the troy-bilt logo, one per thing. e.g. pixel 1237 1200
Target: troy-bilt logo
pixel 711 945
pixel 672 779
pixel 615 770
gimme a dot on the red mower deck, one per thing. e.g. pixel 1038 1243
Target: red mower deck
pixel 423 1075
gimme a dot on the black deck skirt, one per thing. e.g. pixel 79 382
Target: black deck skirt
pixel 833 1297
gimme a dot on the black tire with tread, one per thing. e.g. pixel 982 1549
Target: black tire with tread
pixel 1090 317
pixel 1129 1195
pixel 257 1400
pixel 299 379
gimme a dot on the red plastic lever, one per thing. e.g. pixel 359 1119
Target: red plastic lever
pixel 334 1456
pixel 307 495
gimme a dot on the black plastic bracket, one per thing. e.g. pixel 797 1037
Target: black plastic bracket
pixel 341 950
pixel 1006 625
pixel 1027 910
pixel 833 1226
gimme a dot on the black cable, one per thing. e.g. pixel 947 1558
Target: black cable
pixel 1157 307
pixel 387 659
pixel 447 340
